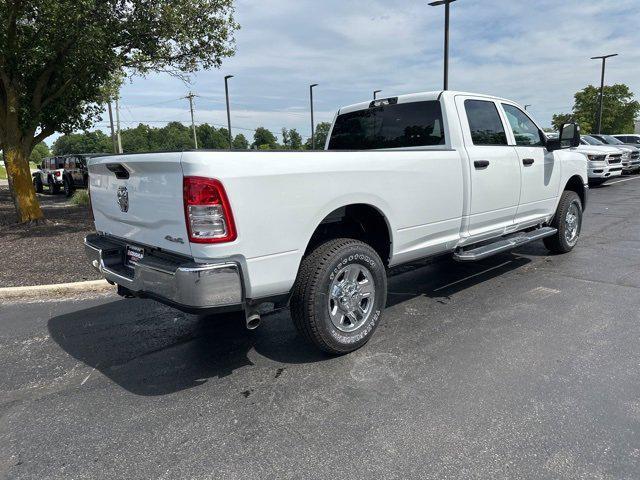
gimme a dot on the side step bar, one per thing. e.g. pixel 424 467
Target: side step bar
pixel 503 245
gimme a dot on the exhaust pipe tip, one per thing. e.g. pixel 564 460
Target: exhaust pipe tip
pixel 253 321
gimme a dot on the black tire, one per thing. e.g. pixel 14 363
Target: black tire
pixel 37 184
pixel 54 188
pixel 68 189
pixel 563 241
pixel 312 300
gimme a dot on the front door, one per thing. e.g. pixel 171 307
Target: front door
pixel 540 170
pixel 494 168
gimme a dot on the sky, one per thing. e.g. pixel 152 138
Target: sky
pixel 533 52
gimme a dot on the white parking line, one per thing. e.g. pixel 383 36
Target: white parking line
pixel 625 180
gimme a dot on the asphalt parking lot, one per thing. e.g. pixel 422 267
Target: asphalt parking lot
pixel 523 366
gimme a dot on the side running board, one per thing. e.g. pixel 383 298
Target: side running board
pixel 503 245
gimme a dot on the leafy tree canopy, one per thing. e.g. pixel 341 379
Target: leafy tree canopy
pixel 618 113
pixel 322 132
pixel 263 139
pixel 39 152
pixel 59 60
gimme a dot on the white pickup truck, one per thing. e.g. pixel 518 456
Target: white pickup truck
pixel 401 179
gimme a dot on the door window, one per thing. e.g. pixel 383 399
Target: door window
pixel 526 133
pixel 485 123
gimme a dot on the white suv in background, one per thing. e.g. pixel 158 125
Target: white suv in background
pixel 605 162
pixel 629 139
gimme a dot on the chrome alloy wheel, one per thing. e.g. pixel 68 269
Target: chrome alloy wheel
pixel 351 297
pixel 572 224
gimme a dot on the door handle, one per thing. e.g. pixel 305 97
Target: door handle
pixel 528 161
pixel 480 164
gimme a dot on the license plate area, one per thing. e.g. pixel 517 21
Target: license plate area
pixel 133 255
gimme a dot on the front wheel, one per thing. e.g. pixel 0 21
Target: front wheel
pixel 68 189
pixel 339 295
pixel 568 222
pixel 37 184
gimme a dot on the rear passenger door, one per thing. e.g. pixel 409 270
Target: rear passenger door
pixel 540 170
pixel 493 165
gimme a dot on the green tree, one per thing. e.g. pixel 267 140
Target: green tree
pixel 322 132
pixel 58 59
pixel 618 112
pixel 40 151
pixel 86 142
pixel 560 119
pixel 263 139
pixel 295 140
pixel 240 142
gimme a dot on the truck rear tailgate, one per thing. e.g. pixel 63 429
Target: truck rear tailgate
pixel 139 197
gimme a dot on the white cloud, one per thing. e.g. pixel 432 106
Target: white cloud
pixel 533 52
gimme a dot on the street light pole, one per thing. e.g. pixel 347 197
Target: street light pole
pixel 313 125
pixel 447 5
pixel 375 93
pixel 226 92
pixel 600 103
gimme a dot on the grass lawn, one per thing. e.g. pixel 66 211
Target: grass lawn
pixel 3 173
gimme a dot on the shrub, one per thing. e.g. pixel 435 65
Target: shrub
pixel 80 198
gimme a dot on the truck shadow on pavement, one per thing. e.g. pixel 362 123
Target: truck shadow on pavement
pixel 149 349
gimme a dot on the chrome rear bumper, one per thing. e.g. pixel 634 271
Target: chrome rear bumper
pixel 173 280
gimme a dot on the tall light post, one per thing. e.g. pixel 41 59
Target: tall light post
pixel 604 64
pixel 447 5
pixel 313 125
pixel 226 92
pixel 375 93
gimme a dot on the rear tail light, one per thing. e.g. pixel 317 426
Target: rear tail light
pixel 57 173
pixel 207 211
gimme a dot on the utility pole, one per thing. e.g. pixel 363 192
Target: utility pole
pixel 375 93
pixel 600 103
pixel 190 96
pixel 447 5
pixel 313 125
pixel 226 92
pixel 113 130
pixel 118 124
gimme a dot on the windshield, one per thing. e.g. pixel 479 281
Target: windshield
pixel 611 140
pixel 591 141
pixel 414 124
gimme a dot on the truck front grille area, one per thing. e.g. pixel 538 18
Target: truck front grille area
pixel 614 159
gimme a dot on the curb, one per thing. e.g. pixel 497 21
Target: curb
pixel 34 291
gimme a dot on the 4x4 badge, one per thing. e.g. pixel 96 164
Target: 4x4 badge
pixel 123 199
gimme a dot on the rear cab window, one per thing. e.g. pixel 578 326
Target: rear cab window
pixel 389 125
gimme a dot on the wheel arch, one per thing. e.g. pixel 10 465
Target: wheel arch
pixel 361 221
pixel 577 184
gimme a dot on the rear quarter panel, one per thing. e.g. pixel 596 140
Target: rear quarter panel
pixel 278 199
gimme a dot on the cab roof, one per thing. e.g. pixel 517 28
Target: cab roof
pixel 416 97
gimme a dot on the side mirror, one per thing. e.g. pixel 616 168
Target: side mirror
pixel 569 137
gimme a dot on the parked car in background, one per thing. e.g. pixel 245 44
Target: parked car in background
pixel 50 174
pixel 633 158
pixel 629 139
pixel 605 162
pixel 66 173
pixel 404 178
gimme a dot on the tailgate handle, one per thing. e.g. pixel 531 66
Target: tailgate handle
pixel 528 161
pixel 117 168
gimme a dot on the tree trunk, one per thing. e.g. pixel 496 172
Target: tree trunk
pixel 16 161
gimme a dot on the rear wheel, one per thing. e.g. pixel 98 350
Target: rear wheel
pixel 339 295
pixel 68 190
pixel 568 222
pixel 37 184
